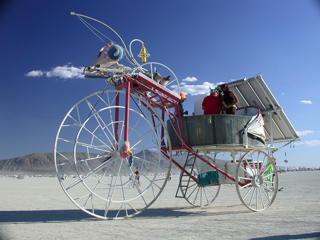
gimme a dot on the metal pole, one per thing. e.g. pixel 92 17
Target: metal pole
pixel 271 129
pixel 116 119
pixel 126 116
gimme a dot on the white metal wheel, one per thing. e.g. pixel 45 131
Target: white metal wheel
pixel 87 155
pixel 153 67
pixel 257 180
pixel 193 193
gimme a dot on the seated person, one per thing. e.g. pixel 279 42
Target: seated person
pixel 212 103
pixel 158 78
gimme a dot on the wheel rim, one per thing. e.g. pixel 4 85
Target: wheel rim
pixel 192 192
pixel 87 154
pixel 257 180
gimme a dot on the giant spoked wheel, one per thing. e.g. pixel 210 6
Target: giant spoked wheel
pixel 91 170
pixel 189 185
pixel 257 180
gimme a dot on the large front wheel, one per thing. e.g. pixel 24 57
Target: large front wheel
pixel 257 180
pixel 90 166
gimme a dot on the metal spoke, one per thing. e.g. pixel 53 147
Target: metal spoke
pixel 255 193
pixel 101 187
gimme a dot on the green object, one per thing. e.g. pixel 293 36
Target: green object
pixel 268 173
pixel 208 178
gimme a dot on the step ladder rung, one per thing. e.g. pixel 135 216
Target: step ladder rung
pixel 186 178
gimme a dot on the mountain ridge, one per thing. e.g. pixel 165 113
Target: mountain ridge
pixel 43 163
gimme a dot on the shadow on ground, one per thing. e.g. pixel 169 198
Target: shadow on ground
pixel 315 235
pixel 28 216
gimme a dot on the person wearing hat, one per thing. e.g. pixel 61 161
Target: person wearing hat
pixel 230 99
pixel 212 103
pixel 181 110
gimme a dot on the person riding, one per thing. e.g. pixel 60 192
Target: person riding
pixel 181 110
pixel 230 99
pixel 137 175
pixel 212 103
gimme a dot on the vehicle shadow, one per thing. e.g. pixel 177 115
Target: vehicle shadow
pixel 315 235
pixel 73 215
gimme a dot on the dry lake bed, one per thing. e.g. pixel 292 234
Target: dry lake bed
pixel 37 208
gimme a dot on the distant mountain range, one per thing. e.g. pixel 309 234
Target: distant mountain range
pixel 35 163
pixel 43 163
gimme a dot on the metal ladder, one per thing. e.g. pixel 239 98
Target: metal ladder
pixel 185 179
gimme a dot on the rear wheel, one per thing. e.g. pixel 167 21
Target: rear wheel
pixel 257 180
pixel 189 185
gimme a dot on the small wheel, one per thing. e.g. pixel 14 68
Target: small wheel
pixel 191 190
pixel 257 180
pixel 154 67
pixel 87 155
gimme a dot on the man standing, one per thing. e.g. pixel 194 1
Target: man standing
pixel 212 103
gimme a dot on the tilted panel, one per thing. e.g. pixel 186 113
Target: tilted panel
pixel 255 92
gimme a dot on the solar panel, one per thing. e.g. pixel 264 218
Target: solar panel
pixel 255 92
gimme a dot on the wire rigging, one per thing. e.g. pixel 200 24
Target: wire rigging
pixel 96 102
pixel 96 31
pixel 93 29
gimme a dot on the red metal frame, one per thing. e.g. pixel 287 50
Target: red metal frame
pixel 116 118
pixel 162 98
pixel 126 115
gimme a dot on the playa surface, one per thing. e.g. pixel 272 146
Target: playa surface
pixel 37 208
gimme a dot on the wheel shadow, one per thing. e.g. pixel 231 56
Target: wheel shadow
pixel 43 216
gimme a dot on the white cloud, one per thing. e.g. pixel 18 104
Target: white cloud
pixel 194 90
pixel 35 73
pixel 312 143
pixel 306 132
pixel 65 72
pixel 189 79
pixel 306 101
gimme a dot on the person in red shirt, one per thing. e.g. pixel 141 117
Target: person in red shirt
pixel 212 103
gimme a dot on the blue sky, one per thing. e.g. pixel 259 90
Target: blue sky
pixel 43 49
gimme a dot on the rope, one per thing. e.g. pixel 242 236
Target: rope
pixel 96 102
pixel 91 28
pixel 138 106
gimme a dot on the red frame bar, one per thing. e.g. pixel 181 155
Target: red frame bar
pixel 116 125
pixel 158 87
pixel 148 85
pixel 126 114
